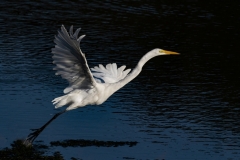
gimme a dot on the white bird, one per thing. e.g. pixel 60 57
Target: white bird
pixel 86 87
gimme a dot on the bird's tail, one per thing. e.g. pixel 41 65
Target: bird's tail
pixel 74 99
pixel 60 101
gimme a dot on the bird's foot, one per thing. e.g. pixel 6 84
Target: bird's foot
pixel 32 136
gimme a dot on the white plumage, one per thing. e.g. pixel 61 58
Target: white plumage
pixel 86 87
pixel 110 74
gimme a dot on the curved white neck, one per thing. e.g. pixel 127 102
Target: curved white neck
pixel 135 71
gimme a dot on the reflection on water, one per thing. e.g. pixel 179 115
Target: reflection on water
pixel 86 143
pixel 180 107
pixel 19 151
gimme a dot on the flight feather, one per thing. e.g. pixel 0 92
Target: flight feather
pixel 110 73
pixel 70 62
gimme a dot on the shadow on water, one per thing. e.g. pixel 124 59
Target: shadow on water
pixel 19 151
pixel 87 143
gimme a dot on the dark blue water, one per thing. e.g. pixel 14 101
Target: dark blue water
pixel 179 107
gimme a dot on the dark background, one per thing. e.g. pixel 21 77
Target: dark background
pixel 183 106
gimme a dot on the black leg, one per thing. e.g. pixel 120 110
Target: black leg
pixel 32 136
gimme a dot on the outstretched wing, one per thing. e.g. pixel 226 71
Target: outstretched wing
pixel 110 74
pixel 70 62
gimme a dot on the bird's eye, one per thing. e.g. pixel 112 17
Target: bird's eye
pixel 160 51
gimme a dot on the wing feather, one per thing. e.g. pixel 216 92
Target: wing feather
pixel 120 70
pixel 114 68
pixel 102 68
pixel 70 62
pixel 110 74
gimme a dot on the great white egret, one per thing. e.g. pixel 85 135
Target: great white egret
pixel 86 87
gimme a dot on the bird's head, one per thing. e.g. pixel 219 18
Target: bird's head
pixel 164 52
pixel 158 52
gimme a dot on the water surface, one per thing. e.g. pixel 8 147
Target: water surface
pixel 179 107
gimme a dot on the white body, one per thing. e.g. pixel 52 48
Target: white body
pixel 86 87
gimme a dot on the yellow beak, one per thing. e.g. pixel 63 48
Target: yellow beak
pixel 169 52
